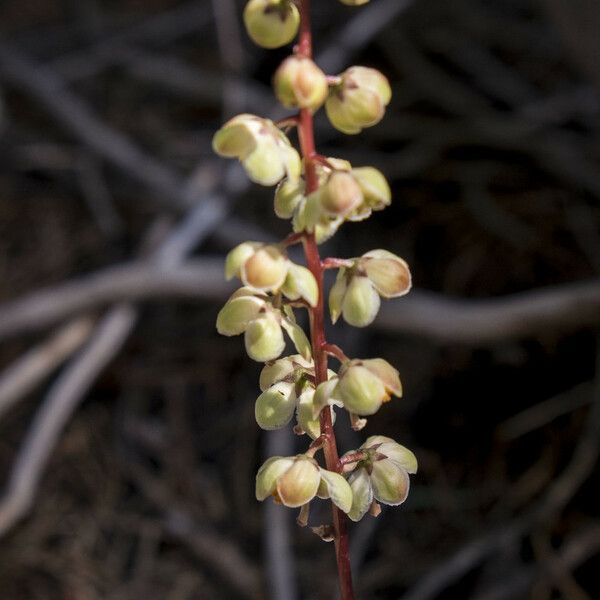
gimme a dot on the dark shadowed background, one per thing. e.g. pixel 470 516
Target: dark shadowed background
pixel 128 446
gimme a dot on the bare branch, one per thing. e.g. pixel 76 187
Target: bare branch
pixel 29 370
pixel 555 308
pixel 164 28
pixel 198 279
pixel 544 412
pixel 481 321
pixel 49 422
pixel 579 548
pixel 563 488
pixel 48 89
pixel 359 32
pixel 75 381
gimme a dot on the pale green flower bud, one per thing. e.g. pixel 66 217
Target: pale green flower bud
pixel 283 369
pixel 390 482
pixel 271 23
pixel 264 338
pixel 301 283
pixel 362 493
pixel 359 100
pixel 398 454
pixel 263 149
pixel 361 391
pixel 299 82
pixel 291 481
pixel 341 194
pixel 374 186
pixel 275 407
pixel 237 257
pixel 361 302
pixel 288 196
pixel 266 269
pixel 334 486
pixel 381 474
pixel 389 273
pixel 234 317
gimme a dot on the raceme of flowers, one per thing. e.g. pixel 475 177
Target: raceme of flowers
pixel 273 286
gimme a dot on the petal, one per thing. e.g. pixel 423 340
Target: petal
pixel 264 339
pixel 390 482
pixel 361 391
pixel 371 79
pixel 395 452
pixel 390 276
pixel 362 493
pixel 326 230
pixel 265 164
pixel 277 371
pixel 236 138
pixel 361 302
pixel 374 186
pixel 265 270
pixel 301 283
pixel 339 116
pixel 336 295
pixel 337 488
pixel 271 28
pixel 275 407
pixel 269 473
pixel 298 338
pixel 237 257
pixel 299 484
pixel 386 373
pixel 323 395
pixel 342 194
pixel 234 317
pixel 287 197
pixel 304 414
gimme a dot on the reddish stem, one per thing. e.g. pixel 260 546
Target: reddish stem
pixel 290 240
pixel 337 263
pixel 353 457
pixel 323 160
pixel 317 315
pixel 287 122
pixel 335 350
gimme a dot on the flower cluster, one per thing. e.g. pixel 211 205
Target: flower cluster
pixel 318 194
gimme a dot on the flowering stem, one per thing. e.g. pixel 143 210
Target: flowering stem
pixel 317 328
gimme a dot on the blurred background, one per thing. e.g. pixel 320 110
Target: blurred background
pixel 128 446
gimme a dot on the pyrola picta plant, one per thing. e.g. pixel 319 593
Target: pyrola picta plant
pixel 318 194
